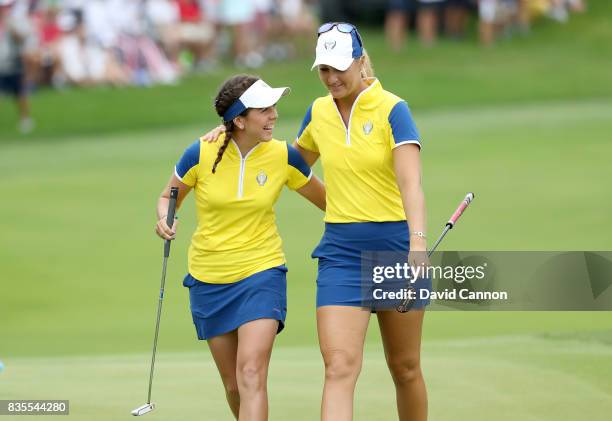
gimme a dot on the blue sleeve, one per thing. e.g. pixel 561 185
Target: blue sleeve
pixel 297 162
pixel 402 125
pixel 305 122
pixel 190 158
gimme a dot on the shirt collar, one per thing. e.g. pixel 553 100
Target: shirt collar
pixel 371 97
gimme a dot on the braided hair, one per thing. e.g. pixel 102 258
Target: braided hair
pixel 229 92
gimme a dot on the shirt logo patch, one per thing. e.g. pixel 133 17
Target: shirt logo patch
pixel 367 127
pixel 261 178
pixel 330 45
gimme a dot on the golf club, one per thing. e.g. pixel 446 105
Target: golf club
pixel 148 407
pixel 408 302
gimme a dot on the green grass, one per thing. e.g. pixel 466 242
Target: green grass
pixel 501 378
pixel 554 62
pixel 526 126
pixel 81 263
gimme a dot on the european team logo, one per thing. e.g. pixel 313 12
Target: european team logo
pixel 367 127
pixel 261 178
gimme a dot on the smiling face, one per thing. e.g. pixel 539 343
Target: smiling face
pixel 342 84
pixel 258 123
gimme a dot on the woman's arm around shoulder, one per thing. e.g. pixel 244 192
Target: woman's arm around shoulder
pixel 314 191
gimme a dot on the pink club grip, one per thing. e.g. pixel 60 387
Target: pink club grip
pixel 464 204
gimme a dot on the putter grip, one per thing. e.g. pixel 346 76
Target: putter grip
pixel 172 206
pixel 170 216
pixel 462 207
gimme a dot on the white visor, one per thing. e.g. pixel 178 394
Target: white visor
pixel 259 95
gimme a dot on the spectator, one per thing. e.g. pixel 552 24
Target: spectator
pixel 265 26
pixel 237 15
pixel 196 35
pixel 396 21
pixel 501 17
pixel 23 11
pixel 456 15
pixel 50 35
pixel 577 5
pixel 289 23
pixel 297 17
pixel 523 16
pixel 559 10
pixel 82 63
pixel 16 37
pixel 488 12
pixel 428 20
pixel 164 18
pixel 140 55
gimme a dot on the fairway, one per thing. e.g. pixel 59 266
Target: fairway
pixel 77 217
pixel 501 378
pixel 85 215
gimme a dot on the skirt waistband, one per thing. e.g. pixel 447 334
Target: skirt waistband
pixel 367 230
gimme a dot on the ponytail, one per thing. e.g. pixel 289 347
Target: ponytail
pixel 367 71
pixel 229 127
pixel 229 92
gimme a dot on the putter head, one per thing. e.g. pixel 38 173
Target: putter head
pixel 141 410
pixel 406 305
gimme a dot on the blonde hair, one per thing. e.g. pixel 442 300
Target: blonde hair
pixel 367 71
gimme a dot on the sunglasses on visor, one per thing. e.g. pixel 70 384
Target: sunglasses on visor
pixel 345 28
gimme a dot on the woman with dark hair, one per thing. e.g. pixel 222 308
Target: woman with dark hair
pixel 237 273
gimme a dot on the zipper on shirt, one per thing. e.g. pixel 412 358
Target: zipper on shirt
pixel 348 126
pixel 242 168
pixel 241 177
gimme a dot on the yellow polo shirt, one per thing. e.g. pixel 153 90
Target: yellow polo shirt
pixel 358 161
pixel 236 234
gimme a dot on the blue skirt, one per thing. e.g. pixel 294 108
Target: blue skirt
pixel 221 308
pixel 341 252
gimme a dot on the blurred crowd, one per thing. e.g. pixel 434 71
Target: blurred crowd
pixel 139 42
pixel 121 42
pixel 496 18
pixel 62 43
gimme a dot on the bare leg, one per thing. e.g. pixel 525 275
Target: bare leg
pixel 26 124
pixel 224 349
pixel 455 21
pixel 255 340
pixel 427 23
pixel 401 335
pixel 487 33
pixel 342 332
pixel 487 10
pixel 395 29
pixel 23 104
pixel 523 15
pixel 241 40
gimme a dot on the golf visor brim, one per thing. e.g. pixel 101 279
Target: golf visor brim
pixel 259 95
pixel 338 63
